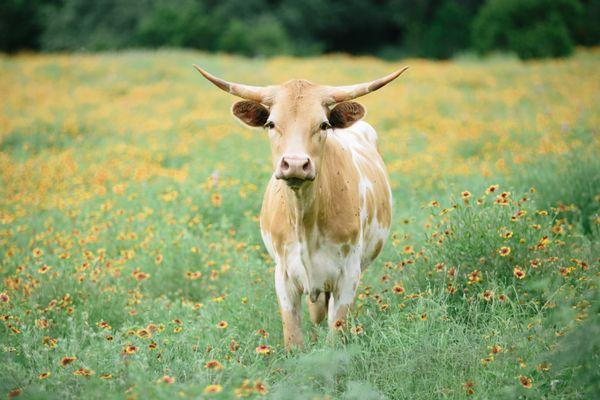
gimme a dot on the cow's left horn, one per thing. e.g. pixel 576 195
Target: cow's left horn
pixel 337 94
pixel 255 93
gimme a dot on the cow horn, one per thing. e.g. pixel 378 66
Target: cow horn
pixel 256 93
pixel 337 94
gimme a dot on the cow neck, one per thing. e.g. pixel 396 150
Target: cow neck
pixel 303 205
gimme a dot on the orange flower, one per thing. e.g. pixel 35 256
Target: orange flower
pixel 83 372
pixel 465 196
pixel 260 388
pixel 49 342
pixel 216 199
pixel 262 333
pixel 518 272
pixel 487 360
pixel 167 379
pixel 338 325
pixel 544 367
pixel 245 390
pixel 496 349
pixel 233 346
pixel 408 250
pixel 44 268
pixel 140 276
pixel 504 251
pixel 263 349
pixel 398 289
pixel 526 382
pixel 357 330
pixel 67 360
pixel 37 252
pixel 222 325
pixel 144 333
pixel 452 272
pixel 130 349
pixel 106 376
pixel 158 259
pixel 468 386
pixel 44 375
pixel 193 275
pixel 4 298
pixel 474 277
pixel 213 389
pixel 42 323
pixel 492 189
pixel 488 295
pixel 214 365
pixel 450 288
pixel 104 325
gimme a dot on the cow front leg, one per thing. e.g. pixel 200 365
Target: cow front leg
pixel 342 298
pixel 289 306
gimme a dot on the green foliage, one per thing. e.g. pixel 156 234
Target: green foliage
pixel 569 186
pixel 177 24
pixel 434 28
pixel 581 347
pixel 531 28
pixel 263 36
pixel 586 30
pixel 391 28
pixel 20 24
pixel 91 25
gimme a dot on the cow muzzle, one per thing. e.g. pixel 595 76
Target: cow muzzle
pixel 295 170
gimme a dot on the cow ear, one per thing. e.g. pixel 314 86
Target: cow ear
pixel 345 114
pixel 251 112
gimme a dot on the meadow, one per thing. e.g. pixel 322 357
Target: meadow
pixel 132 264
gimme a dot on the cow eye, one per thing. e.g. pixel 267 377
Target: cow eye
pixel 270 125
pixel 324 126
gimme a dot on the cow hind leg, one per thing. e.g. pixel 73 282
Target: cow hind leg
pixel 317 311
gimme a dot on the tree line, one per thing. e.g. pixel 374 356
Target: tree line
pixel 387 28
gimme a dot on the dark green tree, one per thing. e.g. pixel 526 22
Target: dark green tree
pixel 530 28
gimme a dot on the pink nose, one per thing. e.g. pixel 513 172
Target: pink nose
pixel 295 168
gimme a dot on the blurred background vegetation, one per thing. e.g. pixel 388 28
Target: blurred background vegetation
pixel 386 28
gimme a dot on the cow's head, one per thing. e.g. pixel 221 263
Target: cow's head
pixel 298 115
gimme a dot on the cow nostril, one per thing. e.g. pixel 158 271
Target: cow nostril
pixel 284 165
pixel 306 166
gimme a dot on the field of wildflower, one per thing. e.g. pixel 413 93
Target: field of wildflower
pixel 131 262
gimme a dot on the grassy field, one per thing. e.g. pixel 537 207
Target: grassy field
pixel 132 264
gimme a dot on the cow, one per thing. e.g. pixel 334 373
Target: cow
pixel 327 209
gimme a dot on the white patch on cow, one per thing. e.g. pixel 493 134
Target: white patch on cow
pixel 311 268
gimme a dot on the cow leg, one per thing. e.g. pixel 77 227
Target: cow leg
pixel 343 298
pixel 289 306
pixel 317 311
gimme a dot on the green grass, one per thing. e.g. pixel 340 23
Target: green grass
pixel 114 164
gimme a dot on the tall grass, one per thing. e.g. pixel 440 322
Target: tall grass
pixel 128 217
